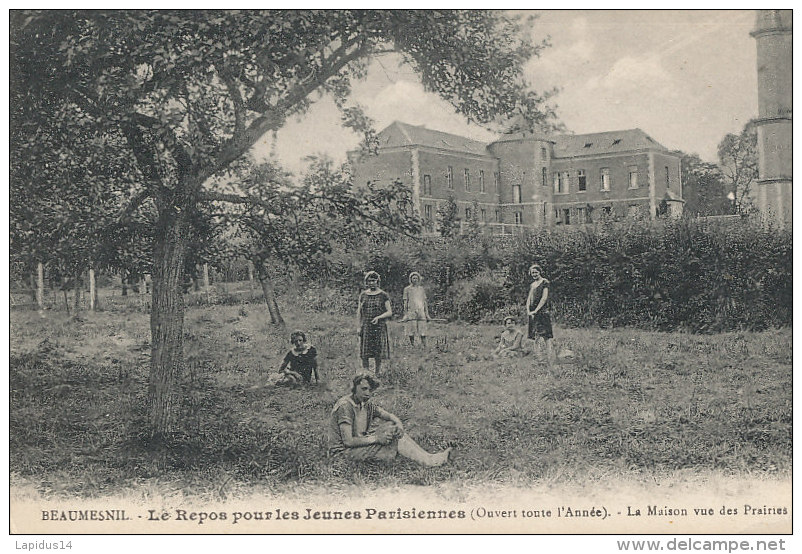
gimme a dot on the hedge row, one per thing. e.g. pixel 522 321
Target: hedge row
pixel 684 275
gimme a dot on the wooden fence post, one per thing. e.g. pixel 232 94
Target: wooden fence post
pixel 40 285
pixel 92 290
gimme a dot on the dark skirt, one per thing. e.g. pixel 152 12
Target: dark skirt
pixel 374 341
pixel 540 325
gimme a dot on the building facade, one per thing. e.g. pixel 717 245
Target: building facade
pixel 525 179
pixel 774 34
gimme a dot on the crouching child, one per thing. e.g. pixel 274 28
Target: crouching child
pixel 300 363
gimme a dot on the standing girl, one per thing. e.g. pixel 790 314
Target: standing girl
pixel 416 309
pixel 537 306
pixel 374 308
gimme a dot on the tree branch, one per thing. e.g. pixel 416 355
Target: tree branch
pixel 211 196
pixel 345 207
pixel 274 118
pixel 236 99
pixel 169 139
pixel 133 204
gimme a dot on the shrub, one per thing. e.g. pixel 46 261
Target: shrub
pixel 686 274
pixel 478 297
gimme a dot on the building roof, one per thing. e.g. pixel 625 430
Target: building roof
pixel 399 134
pixel 522 135
pixel 404 134
pixel 566 146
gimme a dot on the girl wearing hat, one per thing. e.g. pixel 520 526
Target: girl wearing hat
pixel 374 308
pixel 416 309
pixel 537 306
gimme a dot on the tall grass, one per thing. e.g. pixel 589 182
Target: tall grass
pixel 626 403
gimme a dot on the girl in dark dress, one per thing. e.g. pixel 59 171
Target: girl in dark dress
pixel 300 362
pixel 374 308
pixel 537 306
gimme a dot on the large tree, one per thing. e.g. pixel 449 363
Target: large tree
pixel 180 97
pixel 737 155
pixel 703 188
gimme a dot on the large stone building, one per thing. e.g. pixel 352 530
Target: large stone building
pixel 773 34
pixel 526 179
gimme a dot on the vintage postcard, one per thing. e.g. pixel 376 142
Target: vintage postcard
pixel 400 272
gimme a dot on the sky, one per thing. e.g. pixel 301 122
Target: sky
pixel 686 78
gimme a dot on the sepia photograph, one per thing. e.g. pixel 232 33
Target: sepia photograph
pixel 401 272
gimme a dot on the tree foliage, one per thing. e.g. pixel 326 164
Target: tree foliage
pixel 447 217
pixel 279 223
pixel 738 160
pixel 703 188
pixel 165 102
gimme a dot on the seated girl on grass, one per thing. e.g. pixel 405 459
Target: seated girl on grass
pixel 509 345
pixel 299 363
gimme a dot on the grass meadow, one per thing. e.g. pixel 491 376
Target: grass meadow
pixel 628 405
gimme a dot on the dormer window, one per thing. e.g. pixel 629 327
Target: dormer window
pixel 616 141
pixel 588 144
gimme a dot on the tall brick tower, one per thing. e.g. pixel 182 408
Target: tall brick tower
pixel 773 33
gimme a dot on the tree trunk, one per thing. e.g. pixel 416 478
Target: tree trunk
pixel 206 281
pixel 270 300
pixel 77 287
pixel 124 283
pixel 92 290
pixel 270 295
pixel 40 285
pixel 33 290
pixel 250 276
pixel 167 324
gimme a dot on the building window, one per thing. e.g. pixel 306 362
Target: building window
pixel 467 213
pixel 604 178
pixel 427 212
pixel 516 194
pixel 544 177
pixel 582 180
pixel 668 181
pixel 543 153
pixel 581 215
pixel 481 180
pixel 483 215
pixel 427 185
pixel 450 177
pixel 498 216
pixel 519 218
pixel 633 177
pixel 561 182
pixel 566 216
pixel 467 176
pixel 495 180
